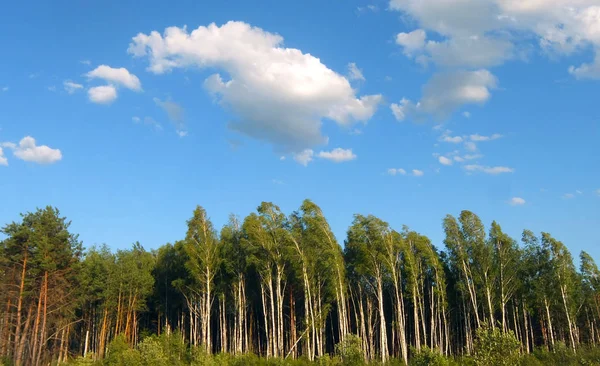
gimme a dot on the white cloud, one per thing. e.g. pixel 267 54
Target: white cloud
pixel 304 157
pixel 354 73
pixel 338 155
pixel 451 139
pixel 149 121
pixel 470 146
pixel 395 171
pixel 86 62
pixel 5 88
pixel 517 201
pixel 120 76
pixel 472 156
pixel 412 42
pixel 489 170
pixel 417 173
pixel 578 192
pixel 280 95
pixel 27 150
pixel 569 195
pixel 459 159
pixel 52 88
pixel 71 87
pixel 104 94
pixel 3 160
pixel 484 33
pixel 444 160
pixel 587 71
pixel 447 91
pixel 480 138
pixel 466 114
pixel 175 113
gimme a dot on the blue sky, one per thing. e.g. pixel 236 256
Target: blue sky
pixel 409 110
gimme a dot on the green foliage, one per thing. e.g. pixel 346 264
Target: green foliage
pixel 495 348
pixel 350 350
pixel 428 357
pixel 119 353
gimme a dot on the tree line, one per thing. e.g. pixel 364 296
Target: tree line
pixel 281 286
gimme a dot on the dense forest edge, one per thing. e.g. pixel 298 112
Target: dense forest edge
pixel 277 289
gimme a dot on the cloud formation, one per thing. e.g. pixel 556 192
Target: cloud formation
pixel 445 92
pixel 469 35
pixel 488 170
pixel 175 113
pixel 71 87
pixel 338 155
pixel 516 201
pixel 28 150
pixel 280 95
pixel 444 160
pixel 3 160
pixel 104 94
pixel 354 73
pixel 395 171
pixel 116 76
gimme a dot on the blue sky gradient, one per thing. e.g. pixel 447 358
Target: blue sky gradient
pixel 121 180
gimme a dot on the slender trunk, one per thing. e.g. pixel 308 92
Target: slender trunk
pixel 21 342
pixel 549 320
pixel 567 313
pixel 20 303
pixel 382 323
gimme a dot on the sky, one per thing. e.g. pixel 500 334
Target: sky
pixel 126 116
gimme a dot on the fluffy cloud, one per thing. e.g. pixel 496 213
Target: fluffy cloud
pixel 486 31
pixel 467 35
pixel 444 160
pixel 71 87
pixel 354 73
pixel 175 113
pixel 447 91
pixel 489 170
pixel 412 42
pixel 417 173
pixel 104 94
pixel 304 157
pixel 480 138
pixel 3 160
pixel 120 76
pixel 338 155
pixel 279 95
pixel 396 171
pixel 27 150
pixel 470 146
pixel 516 201
pixel 451 139
pixel 587 71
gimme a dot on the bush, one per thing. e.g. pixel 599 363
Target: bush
pixel 119 353
pixel 350 350
pixel 495 348
pixel 152 352
pixel 428 357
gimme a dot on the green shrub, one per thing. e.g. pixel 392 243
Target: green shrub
pixel 350 350
pixel 119 353
pixel 428 357
pixel 152 352
pixel 496 348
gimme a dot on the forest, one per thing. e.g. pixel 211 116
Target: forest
pixel 277 288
